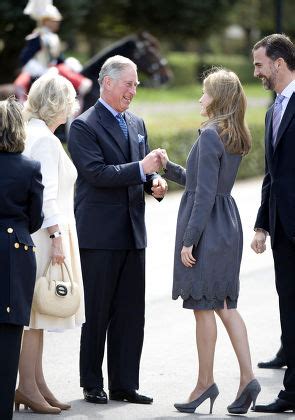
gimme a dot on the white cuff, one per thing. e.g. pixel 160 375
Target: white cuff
pixel 261 230
pixel 51 221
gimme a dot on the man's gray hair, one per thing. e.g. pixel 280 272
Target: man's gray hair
pixel 114 66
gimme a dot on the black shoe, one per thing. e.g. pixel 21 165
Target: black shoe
pixel 278 406
pixel 276 363
pixel 130 396
pixel 95 395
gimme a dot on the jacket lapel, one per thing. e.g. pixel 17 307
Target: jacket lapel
pixel 109 122
pixel 288 115
pixel 133 137
pixel 268 133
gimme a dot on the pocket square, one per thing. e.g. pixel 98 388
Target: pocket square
pixel 140 138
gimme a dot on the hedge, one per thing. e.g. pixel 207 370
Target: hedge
pixel 189 67
pixel 178 146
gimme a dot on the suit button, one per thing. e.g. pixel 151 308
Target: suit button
pixel 16 245
pixel 26 247
pixel 9 230
pixel 8 309
pixel 34 249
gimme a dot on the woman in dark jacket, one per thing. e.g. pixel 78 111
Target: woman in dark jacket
pixel 21 196
pixel 209 237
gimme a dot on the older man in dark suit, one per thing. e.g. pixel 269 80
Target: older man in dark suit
pixel 274 62
pixel 109 147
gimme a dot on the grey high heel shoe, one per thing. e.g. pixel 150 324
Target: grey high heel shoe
pixel 241 405
pixel 212 393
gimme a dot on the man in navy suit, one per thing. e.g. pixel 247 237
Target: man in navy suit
pixel 274 62
pixel 109 147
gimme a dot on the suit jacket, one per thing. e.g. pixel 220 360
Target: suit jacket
pixel 109 201
pixel 21 194
pixel 278 194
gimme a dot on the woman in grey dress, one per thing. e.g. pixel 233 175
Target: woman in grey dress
pixel 209 236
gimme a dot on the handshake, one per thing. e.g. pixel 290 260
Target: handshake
pixel 154 161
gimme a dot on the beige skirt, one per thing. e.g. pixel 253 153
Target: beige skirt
pixel 72 258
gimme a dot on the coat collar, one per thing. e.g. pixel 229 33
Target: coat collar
pixel 288 115
pixel 109 122
pixel 268 132
pixel 133 136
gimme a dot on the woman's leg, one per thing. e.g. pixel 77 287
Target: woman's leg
pixel 28 364
pixel 40 380
pixel 206 335
pixel 237 332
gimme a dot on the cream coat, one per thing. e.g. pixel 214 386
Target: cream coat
pixel 58 176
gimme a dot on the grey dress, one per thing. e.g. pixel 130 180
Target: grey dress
pixel 208 218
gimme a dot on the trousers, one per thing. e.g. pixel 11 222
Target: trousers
pixel 114 288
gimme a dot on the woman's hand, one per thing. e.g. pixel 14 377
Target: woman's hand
pixel 187 257
pixel 57 255
pixel 163 156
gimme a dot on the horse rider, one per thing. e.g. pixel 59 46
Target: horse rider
pixel 43 50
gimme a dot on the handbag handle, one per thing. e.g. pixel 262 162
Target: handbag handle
pixel 68 271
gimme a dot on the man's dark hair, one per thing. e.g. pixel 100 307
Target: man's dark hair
pixel 278 46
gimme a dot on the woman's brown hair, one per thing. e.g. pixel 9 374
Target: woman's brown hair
pixel 227 109
pixel 12 126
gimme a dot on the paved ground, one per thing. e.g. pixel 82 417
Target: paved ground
pixel 169 366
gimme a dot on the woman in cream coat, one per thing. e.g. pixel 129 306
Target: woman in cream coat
pixel 50 102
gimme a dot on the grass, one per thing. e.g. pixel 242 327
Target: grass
pixel 168 93
pixel 175 109
pixel 190 92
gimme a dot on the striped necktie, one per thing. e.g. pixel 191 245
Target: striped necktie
pixel 122 124
pixel 276 117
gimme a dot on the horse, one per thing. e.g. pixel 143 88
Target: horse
pixel 142 48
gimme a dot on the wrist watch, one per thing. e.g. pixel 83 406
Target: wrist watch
pixel 55 235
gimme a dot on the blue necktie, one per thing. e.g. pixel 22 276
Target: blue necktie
pixel 276 117
pixel 122 124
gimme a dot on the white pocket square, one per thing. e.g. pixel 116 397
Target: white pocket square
pixel 140 138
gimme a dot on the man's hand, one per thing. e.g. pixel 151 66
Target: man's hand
pixel 187 256
pixel 258 243
pixel 151 163
pixel 159 187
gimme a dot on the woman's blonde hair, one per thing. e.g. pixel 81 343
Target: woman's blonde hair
pixel 51 96
pixel 12 126
pixel 227 109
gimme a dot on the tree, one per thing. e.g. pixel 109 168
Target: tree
pixel 14 26
pixel 100 20
pixel 177 20
pixel 246 14
pixel 257 18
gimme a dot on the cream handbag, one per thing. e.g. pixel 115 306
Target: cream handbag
pixel 54 295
